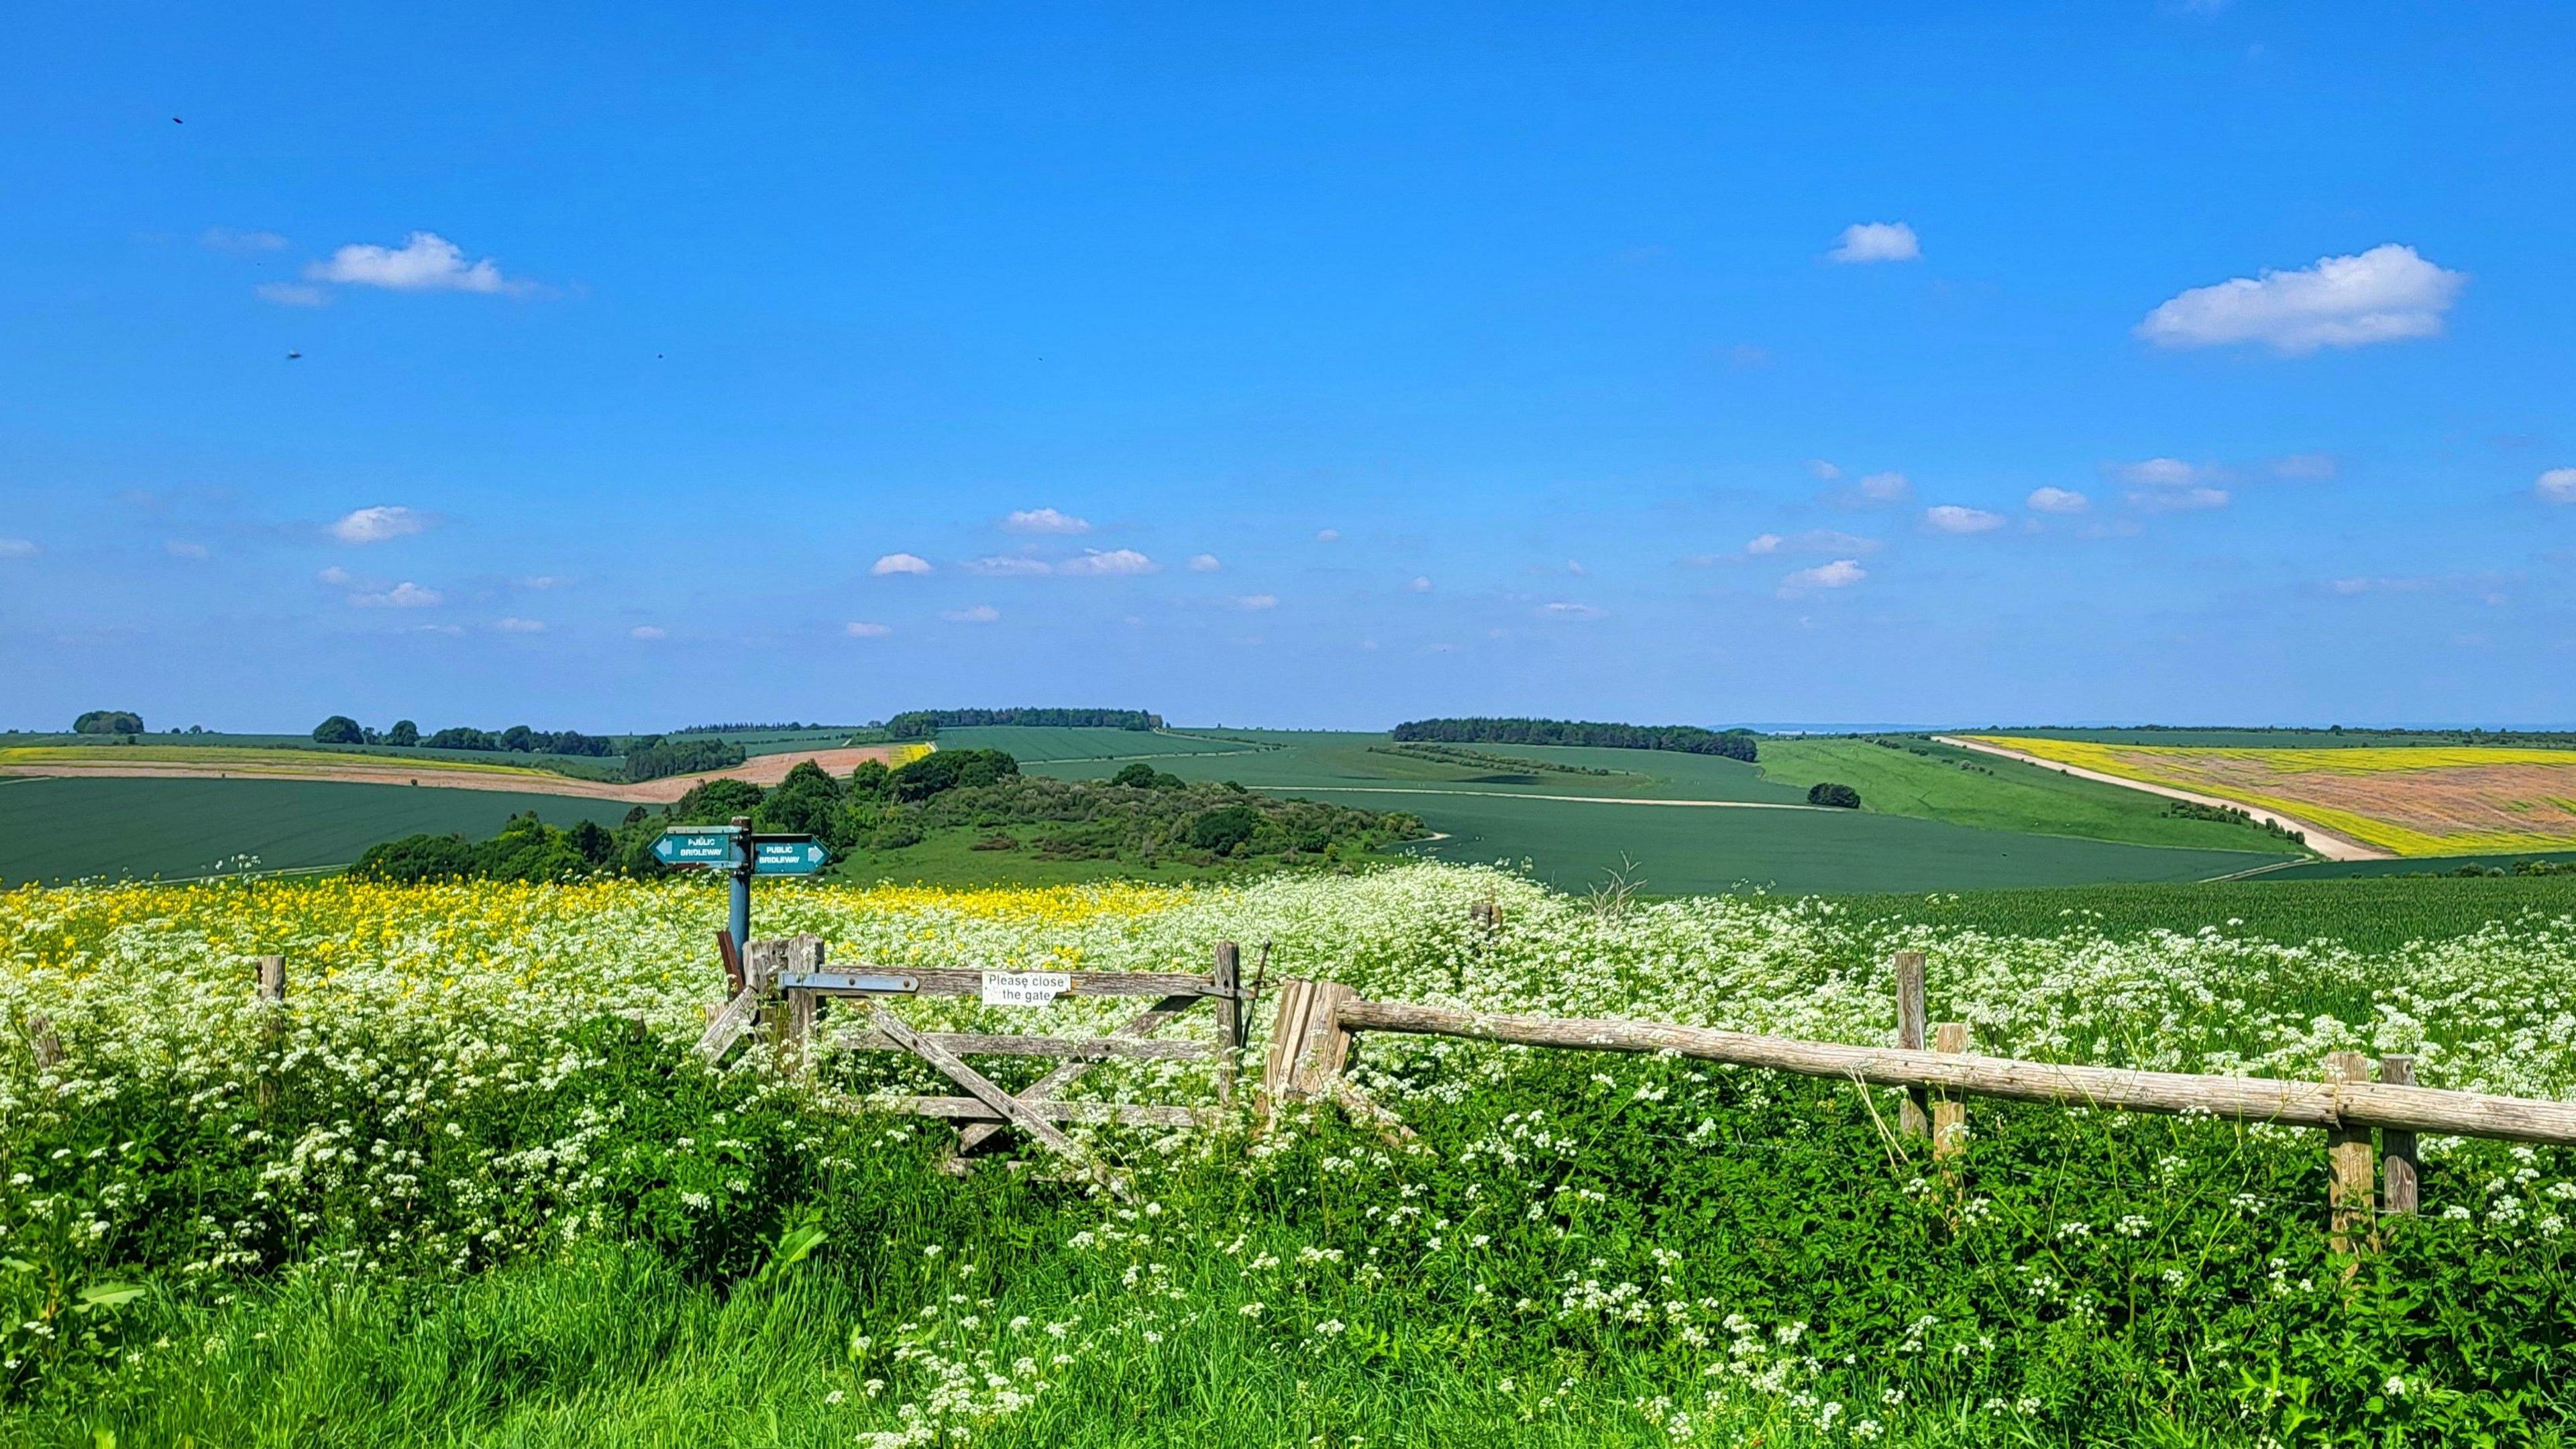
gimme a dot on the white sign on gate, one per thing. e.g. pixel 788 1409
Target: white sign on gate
pixel 1025 988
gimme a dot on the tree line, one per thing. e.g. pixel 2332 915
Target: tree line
pixel 339 729
pixel 922 724
pixel 1688 739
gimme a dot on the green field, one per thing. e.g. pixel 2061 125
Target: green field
pixel 1928 823
pixel 1039 744
pixel 2285 739
pixel 2365 914
pixel 56 830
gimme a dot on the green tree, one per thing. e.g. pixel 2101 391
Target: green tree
pixel 339 729
pixel 417 860
pixel 109 722
pixel 807 802
pixel 404 732
pixel 1826 792
pixel 1225 829
pixel 716 802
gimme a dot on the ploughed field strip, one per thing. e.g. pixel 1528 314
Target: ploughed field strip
pixel 188 762
pixel 2408 801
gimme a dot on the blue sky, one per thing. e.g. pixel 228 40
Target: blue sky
pixel 1314 366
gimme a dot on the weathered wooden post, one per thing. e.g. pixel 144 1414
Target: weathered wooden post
pixel 2348 1159
pixel 1915 1120
pixel 804 953
pixel 1227 977
pixel 1308 1046
pixel 272 1025
pixel 42 1041
pixel 1949 1111
pixel 2398 1173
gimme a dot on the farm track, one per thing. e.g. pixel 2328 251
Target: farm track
pixel 2321 840
pixel 373 770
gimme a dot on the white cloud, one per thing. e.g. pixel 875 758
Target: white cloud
pixel 1575 567
pixel 2170 485
pixel 426 262
pixel 2386 294
pixel 181 548
pixel 335 576
pixel 404 595
pixel 2057 500
pixel 1951 518
pixel 1825 472
pixel 1421 584
pixel 1570 611
pixel 16 548
pixel 648 632
pixel 439 629
pixel 1009 566
pixel 1877 241
pixel 1763 543
pixel 861 629
pixel 1328 535
pixel 1840 574
pixel 2305 467
pixel 979 614
pixel 521 626
pixel 900 563
pixel 291 294
pixel 1817 540
pixel 1204 563
pixel 2558 485
pixel 1045 520
pixel 544 581
pixel 1886 487
pixel 1257 601
pixel 377 524
pixel 1095 563
pixel 225 239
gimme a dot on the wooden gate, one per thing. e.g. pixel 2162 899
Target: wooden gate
pixel 796 997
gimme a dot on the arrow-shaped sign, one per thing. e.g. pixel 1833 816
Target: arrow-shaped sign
pixel 793 855
pixel 717 845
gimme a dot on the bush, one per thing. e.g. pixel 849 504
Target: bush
pixel 417 860
pixel 404 732
pixel 1826 792
pixel 1225 829
pixel 945 770
pixel 1142 776
pixel 108 722
pixel 339 729
pixel 659 758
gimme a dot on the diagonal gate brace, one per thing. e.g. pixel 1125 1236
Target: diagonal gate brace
pixel 976 1083
pixel 973 1138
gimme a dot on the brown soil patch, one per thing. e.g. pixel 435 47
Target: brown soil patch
pixel 365 770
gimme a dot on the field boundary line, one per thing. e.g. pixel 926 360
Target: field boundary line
pixel 2331 845
pixel 1568 799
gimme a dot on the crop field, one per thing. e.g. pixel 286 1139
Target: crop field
pixel 1940 819
pixel 462 1190
pixel 2412 801
pixel 1042 744
pixel 60 830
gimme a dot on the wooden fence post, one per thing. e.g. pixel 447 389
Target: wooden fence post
pixel 1914 1120
pixel 2399 1176
pixel 272 1000
pixel 1949 1111
pixel 1228 980
pixel 43 1042
pixel 1308 1047
pixel 2348 1158
pixel 804 953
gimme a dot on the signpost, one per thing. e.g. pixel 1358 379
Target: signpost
pixel 740 854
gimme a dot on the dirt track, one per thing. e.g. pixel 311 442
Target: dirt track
pixel 2321 840
pixel 375 770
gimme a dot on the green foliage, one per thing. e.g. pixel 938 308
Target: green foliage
pixel 923 724
pixel 717 802
pixel 1486 760
pixel 526 849
pixel 654 758
pixel 108 722
pixel 418 860
pixel 1840 797
pixel 943 770
pixel 1224 830
pixel 1142 776
pixel 404 733
pixel 807 802
pixel 339 729
pixel 1691 739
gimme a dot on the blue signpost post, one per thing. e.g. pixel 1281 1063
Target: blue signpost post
pixel 740 854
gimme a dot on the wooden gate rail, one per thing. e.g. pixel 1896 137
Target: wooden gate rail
pixel 2256 1099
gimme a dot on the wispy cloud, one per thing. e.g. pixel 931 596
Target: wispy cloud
pixel 1008 566
pixel 226 239
pixel 2170 485
pixel 291 294
pixel 1257 601
pixel 2558 485
pixel 1824 472
pixel 182 548
pixel 1886 487
pixel 648 632
pixel 2057 500
pixel 521 626
pixel 978 614
pixel 862 629
pixel 1328 535
pixel 899 563
pixel 335 576
pixel 17 548
pixel 405 595
pixel 425 262
pixel 1421 584
pixel 1952 518
pixel 1044 520
pixel 1098 563
pixel 377 524
pixel 1204 563
pixel 1576 612
pixel 2386 294
pixel 1814 540
pixel 1842 573
pixel 1877 241
pixel 2305 467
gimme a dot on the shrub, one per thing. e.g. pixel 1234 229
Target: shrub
pixel 339 729
pixel 949 770
pixel 108 722
pixel 417 860
pixel 404 732
pixel 1826 792
pixel 1224 829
